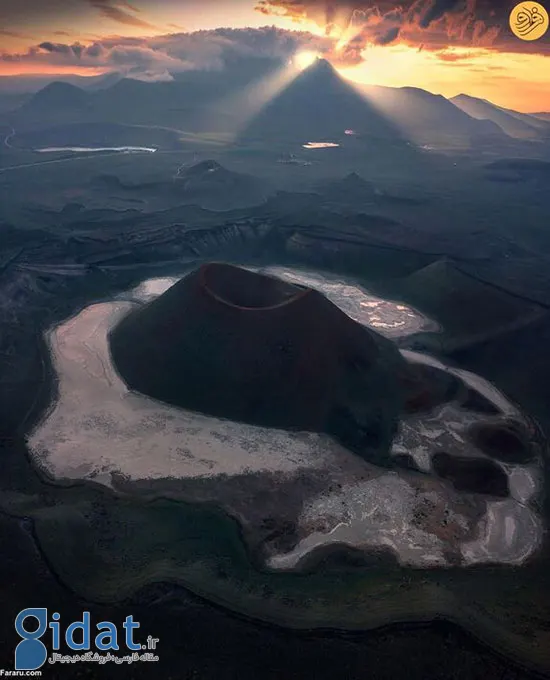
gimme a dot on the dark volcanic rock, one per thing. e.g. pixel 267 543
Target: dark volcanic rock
pixel 504 441
pixel 427 387
pixel 281 534
pixel 474 401
pixel 207 184
pixel 236 344
pixel 518 170
pixel 338 557
pixel 474 475
pixel 405 461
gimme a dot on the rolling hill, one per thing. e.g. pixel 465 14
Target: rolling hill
pixel 469 310
pixel 33 82
pixel 513 123
pixel 426 118
pixel 207 184
pixel 354 191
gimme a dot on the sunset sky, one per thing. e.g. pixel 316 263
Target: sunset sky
pixel 445 46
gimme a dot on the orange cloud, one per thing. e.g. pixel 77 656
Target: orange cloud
pixel 426 24
pixel 14 34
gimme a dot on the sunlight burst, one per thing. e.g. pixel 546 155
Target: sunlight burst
pixel 304 59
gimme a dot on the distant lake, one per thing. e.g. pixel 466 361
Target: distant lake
pixel 320 145
pixel 86 149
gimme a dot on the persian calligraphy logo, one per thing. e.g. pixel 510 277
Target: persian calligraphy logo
pixel 529 21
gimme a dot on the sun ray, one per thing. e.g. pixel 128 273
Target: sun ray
pixel 304 59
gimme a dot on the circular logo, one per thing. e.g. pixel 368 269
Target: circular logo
pixel 529 21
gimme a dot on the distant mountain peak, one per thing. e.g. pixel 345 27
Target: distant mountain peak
pixel 60 86
pixel 59 93
pixel 202 167
pixel 320 69
pixel 468 97
pixel 512 123
pixel 351 181
pixel 351 185
pixel 321 65
pixel 420 92
pixel 354 178
pixel 318 105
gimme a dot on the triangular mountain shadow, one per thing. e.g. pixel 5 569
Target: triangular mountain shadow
pixel 318 105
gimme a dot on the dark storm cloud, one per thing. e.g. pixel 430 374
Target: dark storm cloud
pixel 389 36
pixel 15 14
pixel 15 34
pixel 118 11
pixel 438 9
pixel 432 24
pixel 56 47
pixel 435 25
pixel 154 58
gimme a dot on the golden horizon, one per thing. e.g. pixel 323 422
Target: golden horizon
pixel 512 79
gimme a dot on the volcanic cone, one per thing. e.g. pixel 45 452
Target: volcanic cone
pixel 236 344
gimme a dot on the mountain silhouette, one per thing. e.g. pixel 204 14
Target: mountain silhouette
pixel 469 310
pixel 353 190
pixel 241 345
pixel 58 95
pixel 513 123
pixel 58 102
pixel 424 118
pixel 318 105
